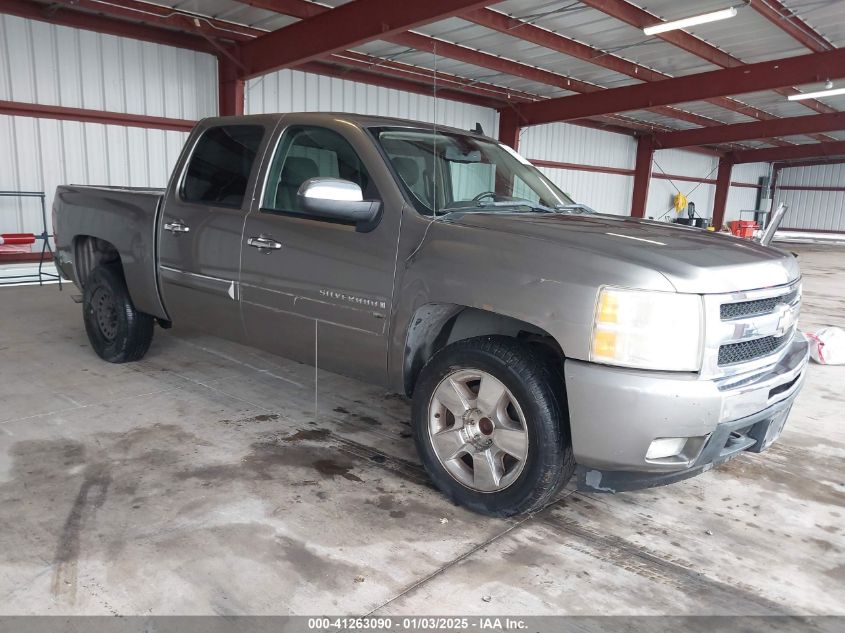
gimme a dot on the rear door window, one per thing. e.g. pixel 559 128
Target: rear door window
pixel 221 164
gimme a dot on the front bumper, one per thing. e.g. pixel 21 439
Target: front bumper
pixel 616 413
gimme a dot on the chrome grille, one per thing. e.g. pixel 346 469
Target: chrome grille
pixel 738 310
pixel 745 351
pixel 747 329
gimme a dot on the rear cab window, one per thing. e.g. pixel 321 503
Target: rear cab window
pixel 220 166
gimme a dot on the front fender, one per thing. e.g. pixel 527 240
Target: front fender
pixel 550 287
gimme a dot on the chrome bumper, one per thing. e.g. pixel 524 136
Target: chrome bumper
pixel 616 413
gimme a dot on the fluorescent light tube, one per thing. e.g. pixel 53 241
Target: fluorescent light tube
pixel 723 14
pixel 815 95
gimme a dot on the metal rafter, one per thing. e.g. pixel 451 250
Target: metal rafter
pixel 163 25
pixel 515 27
pixel 796 152
pixel 746 78
pixel 102 24
pixel 302 8
pixel 379 79
pixel 795 27
pixel 157 15
pixel 348 25
pixel 159 24
pixel 639 18
pixel 810 123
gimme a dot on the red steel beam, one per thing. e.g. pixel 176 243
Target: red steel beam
pixel 642 175
pixel 166 17
pixel 101 24
pixel 348 25
pixel 621 171
pixel 419 73
pixel 754 130
pixel 376 79
pixel 39 111
pixel 515 27
pixel 723 186
pixel 303 9
pixel 230 88
pixel 509 128
pixel 468 55
pixel 811 163
pixel 639 18
pixel 149 27
pixel 747 78
pixel 796 152
pixel 795 27
pixel 510 67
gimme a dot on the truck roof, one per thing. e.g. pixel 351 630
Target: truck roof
pixel 361 120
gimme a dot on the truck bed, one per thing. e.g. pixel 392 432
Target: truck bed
pixel 122 218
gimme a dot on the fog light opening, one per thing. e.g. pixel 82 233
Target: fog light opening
pixel 664 447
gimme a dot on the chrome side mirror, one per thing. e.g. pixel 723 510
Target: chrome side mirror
pixel 336 199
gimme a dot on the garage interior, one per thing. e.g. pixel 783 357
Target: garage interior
pixel 204 479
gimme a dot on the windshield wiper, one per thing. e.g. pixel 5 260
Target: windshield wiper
pixel 534 206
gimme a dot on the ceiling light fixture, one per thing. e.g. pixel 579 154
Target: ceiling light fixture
pixel 815 95
pixel 723 14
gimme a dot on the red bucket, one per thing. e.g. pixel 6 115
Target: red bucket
pixel 743 228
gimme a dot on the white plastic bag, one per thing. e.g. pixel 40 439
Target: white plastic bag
pixel 827 346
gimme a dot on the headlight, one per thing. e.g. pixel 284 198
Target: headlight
pixel 648 330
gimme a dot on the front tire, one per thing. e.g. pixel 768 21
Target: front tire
pixel 490 424
pixel 117 331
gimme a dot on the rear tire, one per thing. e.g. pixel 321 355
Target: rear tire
pixel 117 331
pixel 490 423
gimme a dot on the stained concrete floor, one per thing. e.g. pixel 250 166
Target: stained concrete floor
pixel 199 480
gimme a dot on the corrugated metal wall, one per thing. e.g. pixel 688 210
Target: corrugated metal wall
pixel 54 65
pixel 295 91
pixel 818 203
pixel 611 193
pixel 662 192
pixel 563 143
pixel 57 65
pixel 744 198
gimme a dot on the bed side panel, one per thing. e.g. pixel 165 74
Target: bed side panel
pixel 125 218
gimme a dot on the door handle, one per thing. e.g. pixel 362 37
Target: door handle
pixel 264 244
pixel 177 227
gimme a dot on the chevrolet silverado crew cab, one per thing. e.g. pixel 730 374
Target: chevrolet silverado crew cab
pixel 538 339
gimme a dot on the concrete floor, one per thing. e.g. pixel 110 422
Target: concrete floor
pixel 200 481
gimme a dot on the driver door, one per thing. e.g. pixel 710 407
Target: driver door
pixel 313 289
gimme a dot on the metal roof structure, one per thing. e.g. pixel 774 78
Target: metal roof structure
pixel 720 87
pixel 508 53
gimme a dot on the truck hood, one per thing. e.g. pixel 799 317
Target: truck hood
pixel 693 260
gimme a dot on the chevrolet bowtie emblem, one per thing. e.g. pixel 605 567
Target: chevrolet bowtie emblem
pixel 787 316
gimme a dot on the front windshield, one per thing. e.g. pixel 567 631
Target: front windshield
pixel 445 172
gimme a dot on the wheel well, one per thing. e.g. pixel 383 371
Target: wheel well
pixel 88 253
pixel 436 325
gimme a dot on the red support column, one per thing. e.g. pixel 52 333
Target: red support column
pixel 723 186
pixel 509 128
pixel 642 175
pixel 230 87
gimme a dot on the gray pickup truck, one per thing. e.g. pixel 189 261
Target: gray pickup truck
pixel 537 338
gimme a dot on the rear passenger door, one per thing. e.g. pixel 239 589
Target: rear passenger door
pixel 202 223
pixel 326 291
